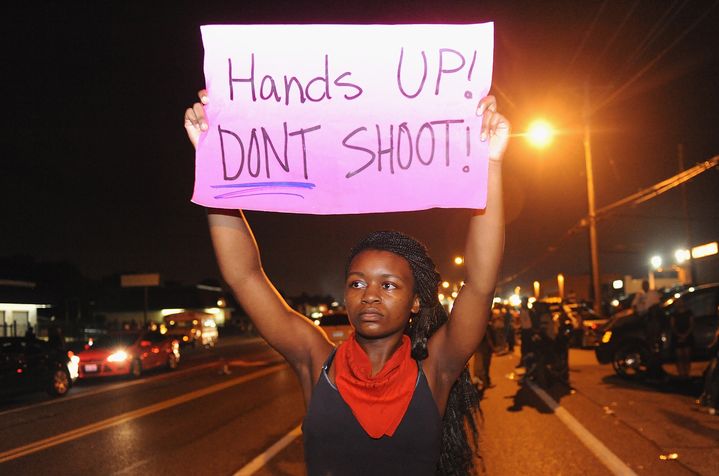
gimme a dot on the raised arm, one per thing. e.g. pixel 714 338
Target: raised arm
pixel 459 338
pixel 292 334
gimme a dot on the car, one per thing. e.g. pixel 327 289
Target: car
pixel 128 353
pixel 624 341
pixel 583 320
pixel 191 328
pixel 591 324
pixel 29 364
pixel 336 326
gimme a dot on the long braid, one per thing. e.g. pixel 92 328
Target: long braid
pixel 457 453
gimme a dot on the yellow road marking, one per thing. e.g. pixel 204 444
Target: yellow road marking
pixel 112 387
pixel 125 417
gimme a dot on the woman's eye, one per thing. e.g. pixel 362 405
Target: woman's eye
pixel 389 286
pixel 357 284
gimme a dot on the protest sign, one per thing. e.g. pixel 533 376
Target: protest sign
pixel 334 119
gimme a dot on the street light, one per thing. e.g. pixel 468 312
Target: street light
pixel 656 262
pixel 540 133
pixel 681 256
pixel 458 260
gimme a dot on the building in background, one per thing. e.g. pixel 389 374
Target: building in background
pixel 119 307
pixel 20 306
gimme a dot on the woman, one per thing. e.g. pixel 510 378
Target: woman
pixel 384 402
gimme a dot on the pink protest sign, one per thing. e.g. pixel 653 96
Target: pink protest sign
pixel 335 119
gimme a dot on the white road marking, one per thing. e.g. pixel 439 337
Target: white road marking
pixel 263 458
pixel 604 454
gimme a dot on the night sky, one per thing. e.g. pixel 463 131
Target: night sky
pixel 97 171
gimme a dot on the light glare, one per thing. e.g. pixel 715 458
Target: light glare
pixel 540 133
pixel 656 262
pixel 681 256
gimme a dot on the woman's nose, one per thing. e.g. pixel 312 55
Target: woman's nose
pixel 370 294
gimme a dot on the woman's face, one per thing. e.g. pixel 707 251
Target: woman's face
pixel 379 294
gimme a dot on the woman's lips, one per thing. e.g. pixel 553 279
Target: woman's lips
pixel 370 315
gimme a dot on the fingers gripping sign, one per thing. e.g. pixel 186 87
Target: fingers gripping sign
pixel 494 126
pixel 195 120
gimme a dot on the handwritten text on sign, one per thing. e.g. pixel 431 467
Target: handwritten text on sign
pixel 330 119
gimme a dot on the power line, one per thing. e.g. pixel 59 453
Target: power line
pixel 637 198
pixel 612 96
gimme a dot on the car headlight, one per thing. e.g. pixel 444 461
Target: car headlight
pixel 119 356
pixel 606 337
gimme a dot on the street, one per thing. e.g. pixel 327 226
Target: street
pixel 237 407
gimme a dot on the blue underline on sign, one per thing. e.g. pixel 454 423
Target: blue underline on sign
pixel 261 188
pixel 309 185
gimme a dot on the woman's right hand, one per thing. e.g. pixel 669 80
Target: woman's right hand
pixel 195 120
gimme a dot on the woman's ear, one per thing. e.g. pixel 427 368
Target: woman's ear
pixel 415 304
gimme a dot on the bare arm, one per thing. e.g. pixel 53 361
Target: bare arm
pixel 455 342
pixel 292 334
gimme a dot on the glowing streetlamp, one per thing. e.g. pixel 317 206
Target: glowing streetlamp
pixel 445 284
pixel 458 260
pixel 681 256
pixel 540 133
pixel 656 262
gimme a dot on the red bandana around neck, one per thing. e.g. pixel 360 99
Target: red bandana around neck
pixel 378 402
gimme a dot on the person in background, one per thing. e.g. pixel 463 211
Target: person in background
pixel 508 328
pixel 709 399
pixel 55 338
pixel 682 325
pixel 525 330
pixel 645 299
pixel 483 360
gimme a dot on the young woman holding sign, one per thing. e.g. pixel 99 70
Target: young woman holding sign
pixel 396 397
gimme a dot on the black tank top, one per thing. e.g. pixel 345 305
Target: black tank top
pixel 336 445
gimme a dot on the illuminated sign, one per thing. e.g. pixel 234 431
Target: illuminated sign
pixel 704 250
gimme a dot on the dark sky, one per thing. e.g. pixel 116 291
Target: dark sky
pixel 96 169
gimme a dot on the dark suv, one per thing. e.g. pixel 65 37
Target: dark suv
pixel 29 364
pixel 625 342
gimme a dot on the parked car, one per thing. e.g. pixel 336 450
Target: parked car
pixel 30 364
pixel 625 345
pixel 128 353
pixel 336 326
pixel 192 328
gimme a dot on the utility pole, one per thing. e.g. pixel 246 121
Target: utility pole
pixel 687 222
pixel 593 247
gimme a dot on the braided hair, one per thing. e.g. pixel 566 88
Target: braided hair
pixel 457 453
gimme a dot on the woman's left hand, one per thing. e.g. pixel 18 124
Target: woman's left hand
pixel 495 128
